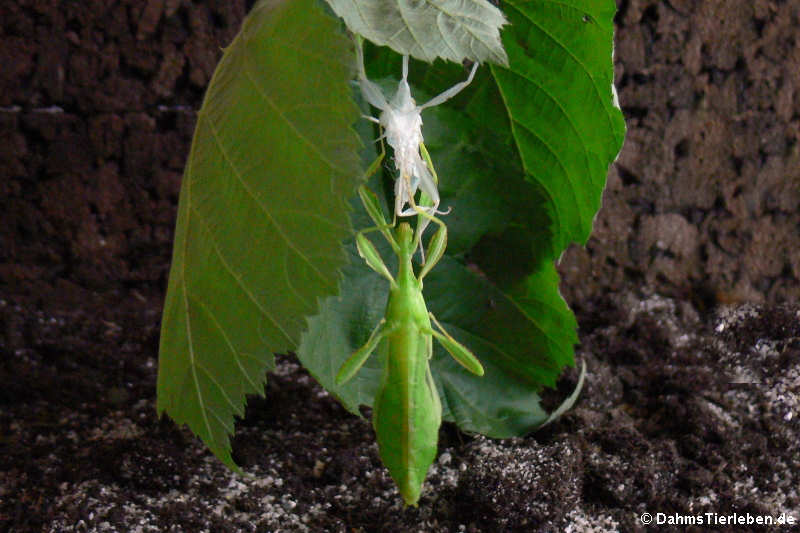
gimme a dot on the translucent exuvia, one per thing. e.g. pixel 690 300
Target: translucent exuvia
pixel 401 119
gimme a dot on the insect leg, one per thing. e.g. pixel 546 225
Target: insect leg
pixel 401 186
pixel 436 246
pixel 428 182
pixel 404 192
pixel 365 248
pixel 376 164
pixel 370 200
pixel 429 202
pixel 370 254
pixel 458 351
pixel 429 199
pixel 428 161
pixel 452 91
pixel 373 208
pixel 372 93
pixel 354 363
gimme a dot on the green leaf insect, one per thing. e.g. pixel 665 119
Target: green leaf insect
pixel 407 412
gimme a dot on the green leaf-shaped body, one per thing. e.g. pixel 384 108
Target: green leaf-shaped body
pixel 407 413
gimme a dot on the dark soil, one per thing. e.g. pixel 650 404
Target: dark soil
pixel 692 399
pixel 679 415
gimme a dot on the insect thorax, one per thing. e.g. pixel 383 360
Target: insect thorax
pixel 404 134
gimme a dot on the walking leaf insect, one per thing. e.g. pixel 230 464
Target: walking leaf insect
pixel 401 119
pixel 406 411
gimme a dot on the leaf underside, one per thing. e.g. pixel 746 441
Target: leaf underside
pixel 426 29
pixel 522 157
pixel 558 93
pixel 273 155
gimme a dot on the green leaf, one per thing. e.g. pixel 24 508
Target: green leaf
pixel 344 325
pixel 558 90
pixel 273 155
pixel 427 29
pixel 516 204
pixel 472 146
pixel 522 344
pixel 523 339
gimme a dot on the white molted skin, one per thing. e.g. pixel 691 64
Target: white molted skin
pixel 402 124
pixel 401 119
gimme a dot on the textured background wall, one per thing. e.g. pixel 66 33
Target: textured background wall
pixel 704 201
pixel 88 189
pixel 98 109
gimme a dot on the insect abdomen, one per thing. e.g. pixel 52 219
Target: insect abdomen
pixel 407 400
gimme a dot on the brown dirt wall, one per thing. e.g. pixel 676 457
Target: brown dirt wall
pixel 97 103
pixel 704 201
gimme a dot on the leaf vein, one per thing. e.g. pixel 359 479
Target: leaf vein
pixel 561 108
pixel 312 146
pixel 567 174
pixel 228 342
pixel 260 204
pixel 210 377
pixel 237 278
pixel 193 365
pixel 577 60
